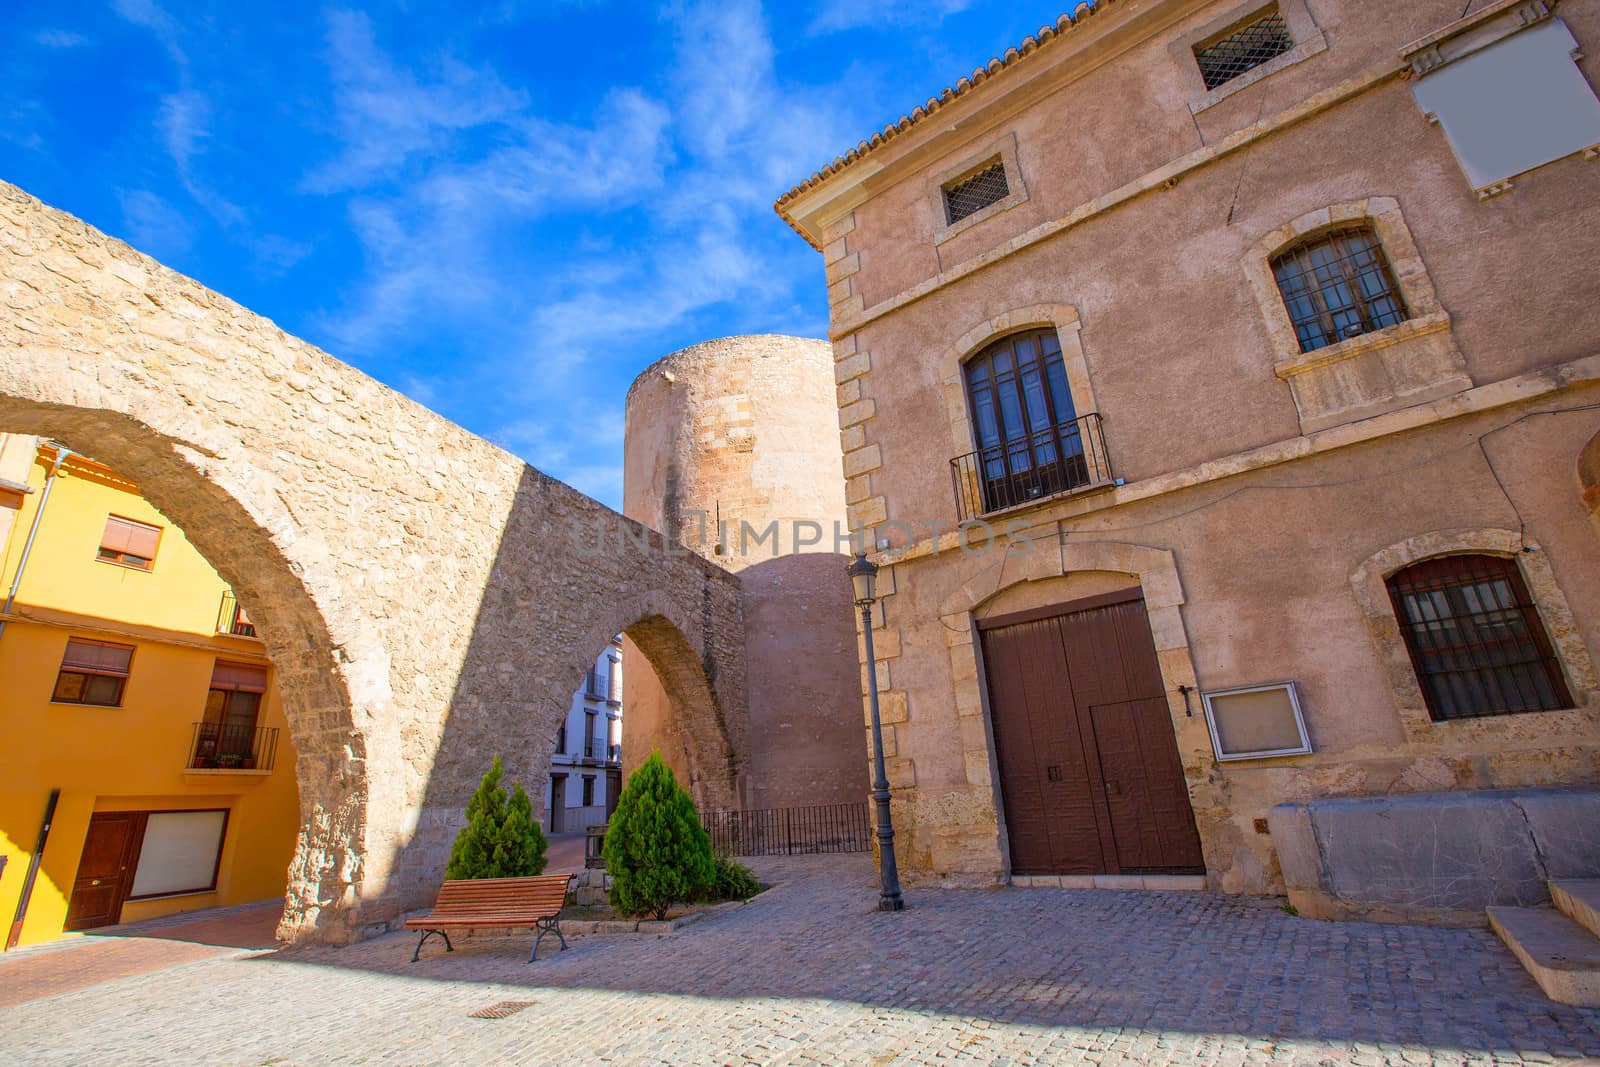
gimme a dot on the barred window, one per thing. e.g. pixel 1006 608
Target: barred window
pixel 976 192
pixel 1265 37
pixel 1337 285
pixel 1475 638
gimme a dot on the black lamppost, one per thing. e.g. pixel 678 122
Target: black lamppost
pixel 862 573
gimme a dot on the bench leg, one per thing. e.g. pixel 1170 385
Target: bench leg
pixel 547 926
pixel 448 947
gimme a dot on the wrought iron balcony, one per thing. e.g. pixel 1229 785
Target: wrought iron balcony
pixel 231 618
pixel 1030 468
pixel 219 746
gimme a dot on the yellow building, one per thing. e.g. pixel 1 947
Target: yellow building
pixel 132 683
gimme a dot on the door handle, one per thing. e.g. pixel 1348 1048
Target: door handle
pixel 95 882
pixel 1113 787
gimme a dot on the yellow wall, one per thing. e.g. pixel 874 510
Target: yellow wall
pixel 133 757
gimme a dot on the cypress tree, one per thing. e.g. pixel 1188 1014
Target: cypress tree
pixel 500 840
pixel 656 851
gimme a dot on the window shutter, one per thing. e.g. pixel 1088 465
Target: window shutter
pixel 96 656
pixel 134 538
pixel 241 676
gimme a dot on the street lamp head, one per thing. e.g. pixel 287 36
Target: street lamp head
pixel 862 573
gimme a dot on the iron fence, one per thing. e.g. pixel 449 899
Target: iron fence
pixel 791 831
pixel 1031 467
pixel 220 746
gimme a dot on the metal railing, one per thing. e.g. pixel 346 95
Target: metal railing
pixel 218 746
pixel 231 618
pixel 791 831
pixel 1038 465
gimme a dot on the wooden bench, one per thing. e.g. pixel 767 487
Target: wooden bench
pixel 491 903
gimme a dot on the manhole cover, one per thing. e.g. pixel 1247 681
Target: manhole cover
pixel 502 1009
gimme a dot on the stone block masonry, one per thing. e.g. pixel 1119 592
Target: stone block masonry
pixel 421 592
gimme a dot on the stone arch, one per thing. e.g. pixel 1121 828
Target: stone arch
pixel 1367 582
pixel 1589 479
pixel 1064 317
pixel 715 743
pixel 317 683
pixel 1157 572
pixel 428 598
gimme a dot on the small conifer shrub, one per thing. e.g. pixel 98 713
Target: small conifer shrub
pixel 501 839
pixel 656 851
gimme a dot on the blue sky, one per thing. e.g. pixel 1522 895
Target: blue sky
pixel 504 214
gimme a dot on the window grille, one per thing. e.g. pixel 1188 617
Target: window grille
pixel 1244 49
pixel 972 194
pixel 1475 638
pixel 1337 286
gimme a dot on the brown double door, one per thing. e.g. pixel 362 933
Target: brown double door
pixel 1089 768
pixel 105 873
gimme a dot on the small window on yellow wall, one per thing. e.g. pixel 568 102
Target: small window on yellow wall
pixel 129 543
pixel 93 672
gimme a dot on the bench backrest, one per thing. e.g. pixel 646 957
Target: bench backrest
pixel 540 895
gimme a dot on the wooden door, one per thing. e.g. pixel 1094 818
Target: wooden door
pixel 1089 768
pixel 1044 767
pixel 558 803
pixel 105 871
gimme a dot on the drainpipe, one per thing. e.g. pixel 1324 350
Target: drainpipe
pixel 33 530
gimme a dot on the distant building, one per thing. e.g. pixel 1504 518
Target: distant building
pixel 586 769
pixel 136 687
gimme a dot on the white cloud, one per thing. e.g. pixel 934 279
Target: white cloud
pixel 386 114
pixel 834 16
pixel 152 225
pixel 60 39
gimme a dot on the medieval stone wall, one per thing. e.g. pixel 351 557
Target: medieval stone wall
pixel 732 446
pixel 421 592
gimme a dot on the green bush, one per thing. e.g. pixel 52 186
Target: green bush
pixel 656 851
pixel 731 880
pixel 501 839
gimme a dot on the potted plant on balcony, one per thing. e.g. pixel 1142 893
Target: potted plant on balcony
pixel 230 761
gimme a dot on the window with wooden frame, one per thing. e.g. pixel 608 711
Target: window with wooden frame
pixel 129 543
pixel 227 733
pixel 1336 285
pixel 1475 638
pixel 1263 38
pixel 1031 442
pixel 93 672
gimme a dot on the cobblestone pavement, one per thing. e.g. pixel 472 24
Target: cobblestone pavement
pixel 114 952
pixel 809 974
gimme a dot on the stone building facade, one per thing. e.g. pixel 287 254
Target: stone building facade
pixel 732 447
pixel 1126 204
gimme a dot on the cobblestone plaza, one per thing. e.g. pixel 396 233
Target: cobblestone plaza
pixel 808 973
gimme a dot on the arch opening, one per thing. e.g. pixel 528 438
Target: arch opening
pixel 249 719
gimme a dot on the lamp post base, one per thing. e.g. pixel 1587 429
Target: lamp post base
pixel 894 903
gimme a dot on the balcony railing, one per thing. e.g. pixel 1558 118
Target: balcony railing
pixel 1039 465
pixel 219 746
pixel 231 618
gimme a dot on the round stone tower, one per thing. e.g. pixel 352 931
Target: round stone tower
pixel 732 447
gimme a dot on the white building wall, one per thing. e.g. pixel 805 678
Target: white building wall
pixel 589 750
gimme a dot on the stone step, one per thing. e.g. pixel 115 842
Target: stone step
pixel 1580 899
pixel 1561 955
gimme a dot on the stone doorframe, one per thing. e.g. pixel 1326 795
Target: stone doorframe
pixel 1368 582
pixel 1157 572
